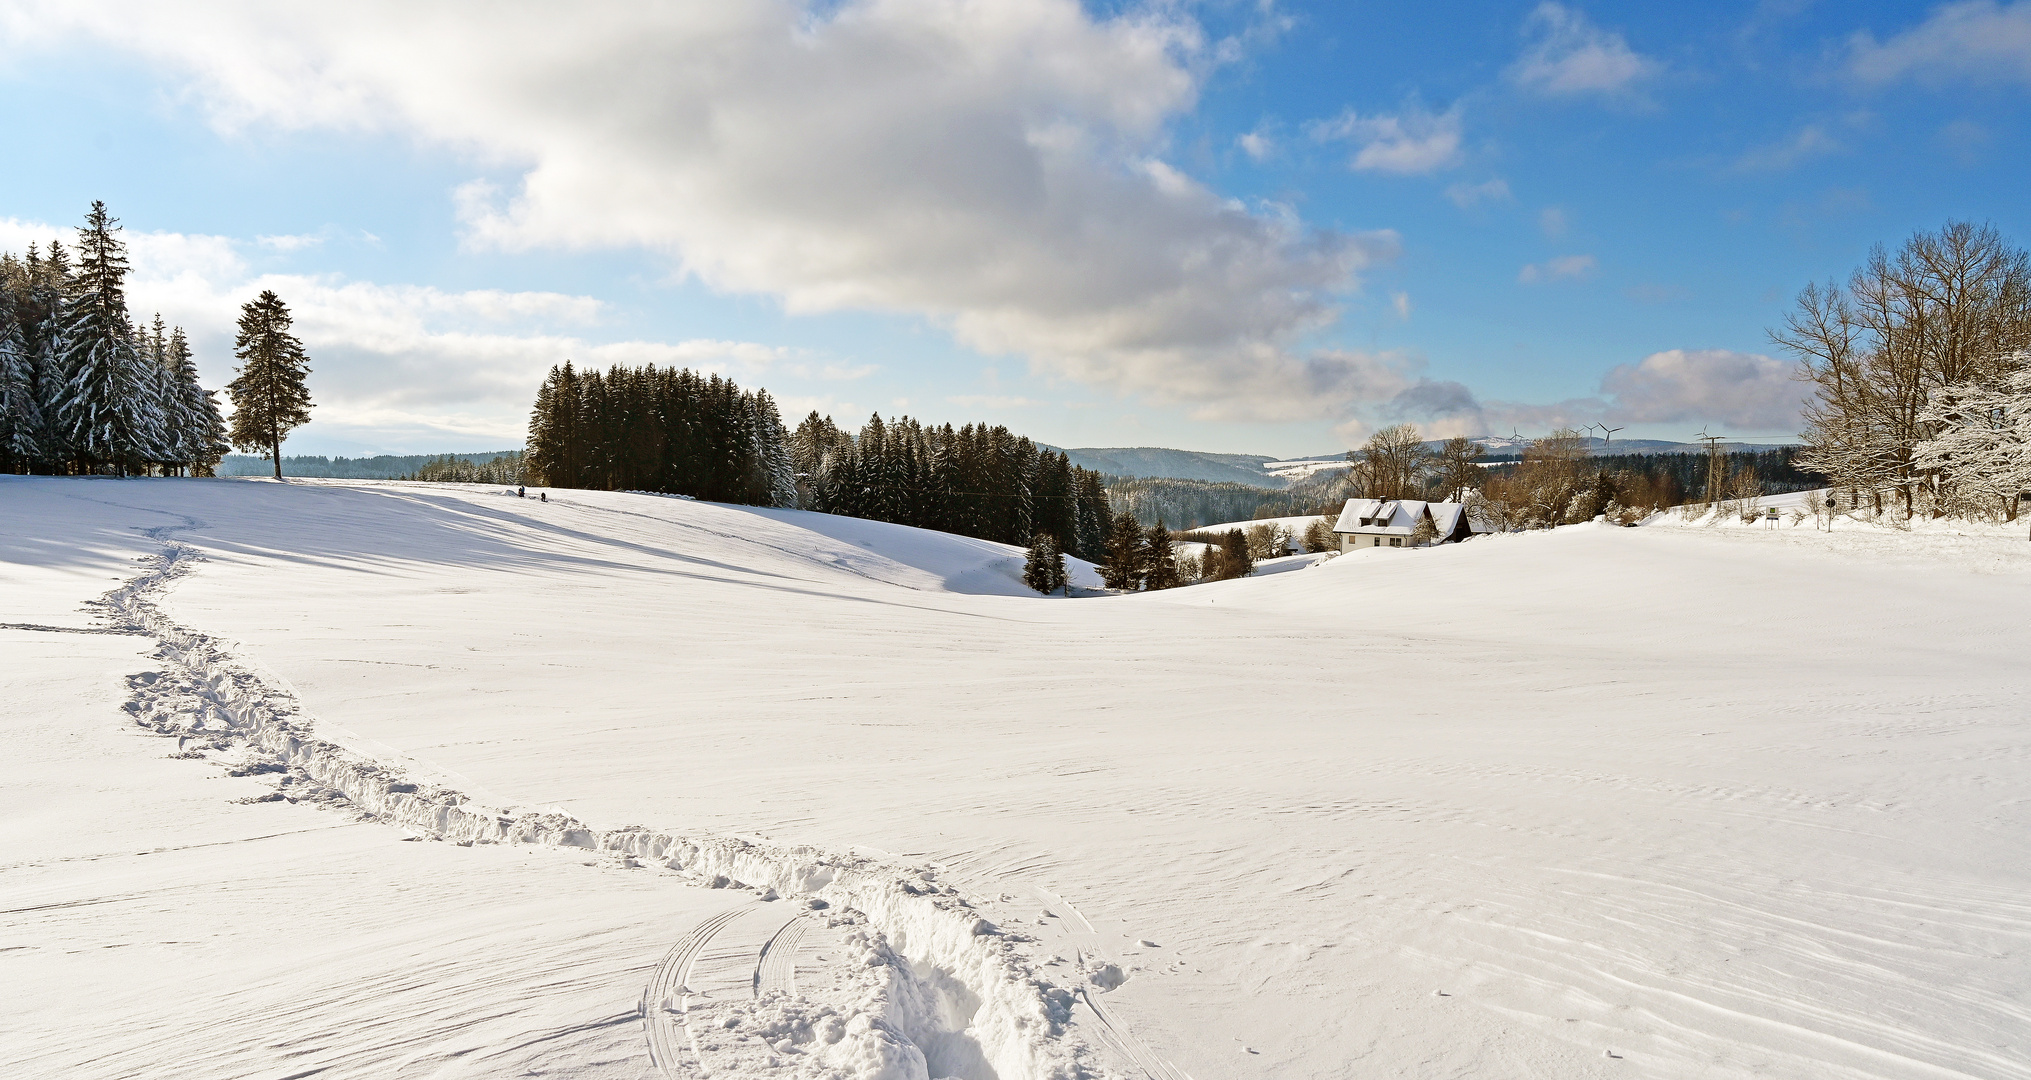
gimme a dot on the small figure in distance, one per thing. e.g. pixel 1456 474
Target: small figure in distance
pixel 543 496
pixel 521 492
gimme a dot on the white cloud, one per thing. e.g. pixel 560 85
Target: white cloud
pixel 1467 196
pixel 1413 142
pixel 1400 303
pixel 988 165
pixel 1256 144
pixel 1977 41
pixel 1563 268
pixel 1552 220
pixel 1750 393
pixel 1747 391
pixel 1811 141
pixel 1568 55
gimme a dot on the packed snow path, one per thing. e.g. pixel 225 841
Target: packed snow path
pixel 1593 803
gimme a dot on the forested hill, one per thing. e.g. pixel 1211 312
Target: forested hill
pixel 1158 461
pixel 383 467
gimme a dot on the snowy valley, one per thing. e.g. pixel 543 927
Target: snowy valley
pixel 371 779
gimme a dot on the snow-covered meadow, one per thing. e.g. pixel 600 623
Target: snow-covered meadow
pixel 1676 801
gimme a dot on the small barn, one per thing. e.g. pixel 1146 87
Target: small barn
pixel 1393 522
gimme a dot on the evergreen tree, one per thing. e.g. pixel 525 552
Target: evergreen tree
pixel 1161 562
pixel 1044 565
pixel 1123 568
pixel 104 410
pixel 771 448
pixel 201 428
pixel 20 413
pixel 1231 559
pixel 41 317
pixel 269 398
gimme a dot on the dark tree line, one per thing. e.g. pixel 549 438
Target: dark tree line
pixel 84 388
pixel 1657 481
pixel 681 432
pixel 976 480
pixel 659 429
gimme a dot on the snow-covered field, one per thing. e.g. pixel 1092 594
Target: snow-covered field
pixel 1674 801
pixel 1298 470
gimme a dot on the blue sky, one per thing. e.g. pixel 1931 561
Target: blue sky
pixel 1227 226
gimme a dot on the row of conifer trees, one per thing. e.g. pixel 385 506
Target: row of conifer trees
pixel 659 429
pixel 976 480
pixel 678 431
pixel 85 389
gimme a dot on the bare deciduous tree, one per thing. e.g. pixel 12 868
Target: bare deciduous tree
pixel 1949 309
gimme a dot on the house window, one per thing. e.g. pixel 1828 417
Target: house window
pixel 1396 541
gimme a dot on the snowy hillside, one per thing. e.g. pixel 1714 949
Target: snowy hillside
pixel 699 788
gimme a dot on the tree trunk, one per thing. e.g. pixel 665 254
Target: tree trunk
pixel 275 449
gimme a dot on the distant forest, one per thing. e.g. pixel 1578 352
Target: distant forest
pixel 382 467
pixel 1189 504
pixel 1677 478
pixel 677 431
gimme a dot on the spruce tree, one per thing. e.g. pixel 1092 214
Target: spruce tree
pixel 772 449
pixel 269 397
pixel 201 435
pixel 1161 566
pixel 20 413
pixel 1044 565
pixel 49 281
pixel 1124 566
pixel 103 410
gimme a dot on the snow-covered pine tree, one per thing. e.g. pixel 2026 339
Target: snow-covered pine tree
pixel 269 397
pixel 48 282
pixel 103 410
pixel 20 413
pixel 200 427
pixel 1044 565
pixel 773 451
pixel 160 399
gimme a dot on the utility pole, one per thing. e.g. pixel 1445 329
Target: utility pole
pixel 1715 463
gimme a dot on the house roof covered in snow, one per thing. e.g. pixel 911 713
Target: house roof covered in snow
pixel 1397 517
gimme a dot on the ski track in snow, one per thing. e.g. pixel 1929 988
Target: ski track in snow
pixel 209 699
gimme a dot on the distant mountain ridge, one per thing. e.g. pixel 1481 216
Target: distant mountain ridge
pixel 1153 461
pixel 1276 473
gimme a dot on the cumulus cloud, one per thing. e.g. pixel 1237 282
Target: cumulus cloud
pixel 1567 55
pixel 1744 390
pixel 992 166
pixel 1977 41
pixel 1468 196
pixel 1748 392
pixel 1563 268
pixel 1412 142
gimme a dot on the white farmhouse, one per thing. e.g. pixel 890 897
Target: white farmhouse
pixel 1390 522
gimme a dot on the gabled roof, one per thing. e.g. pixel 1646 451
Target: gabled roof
pixel 1355 510
pixel 1446 516
pixel 1396 517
